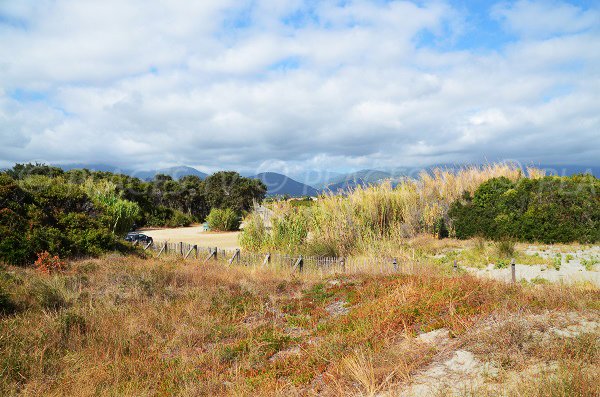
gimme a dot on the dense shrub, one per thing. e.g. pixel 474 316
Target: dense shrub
pixel 223 219
pixel 254 234
pixel 41 213
pixel 179 219
pixel 549 210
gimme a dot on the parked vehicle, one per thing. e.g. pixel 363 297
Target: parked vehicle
pixel 132 237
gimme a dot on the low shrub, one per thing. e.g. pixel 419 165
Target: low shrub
pixel 49 293
pixel 549 210
pixel 223 220
pixel 47 264
pixel 254 235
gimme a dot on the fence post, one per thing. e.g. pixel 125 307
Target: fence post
pixel 395 264
pixel 513 274
pixel 196 250
pixel 216 253
pixel 455 267
pixel 299 264
pixel 267 259
pixel 235 256
pixel 343 264
pixel 163 249
pixel 189 252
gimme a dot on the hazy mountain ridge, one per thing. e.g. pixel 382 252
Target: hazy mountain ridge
pixel 281 185
pixel 175 172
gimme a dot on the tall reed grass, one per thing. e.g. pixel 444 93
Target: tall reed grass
pixel 373 218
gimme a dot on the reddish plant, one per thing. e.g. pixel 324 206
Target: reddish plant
pixel 47 263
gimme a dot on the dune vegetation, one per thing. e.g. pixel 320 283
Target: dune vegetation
pixel 497 201
pixel 125 325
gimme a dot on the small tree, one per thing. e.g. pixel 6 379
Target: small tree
pixel 223 220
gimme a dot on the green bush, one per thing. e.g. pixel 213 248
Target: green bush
pixel 223 219
pixel 179 219
pixel 40 213
pixel 548 210
pixel 254 236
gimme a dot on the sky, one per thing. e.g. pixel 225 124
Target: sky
pixel 292 85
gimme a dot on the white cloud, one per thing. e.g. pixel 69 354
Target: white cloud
pixel 545 18
pixel 224 84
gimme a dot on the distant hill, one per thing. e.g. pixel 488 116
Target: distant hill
pixel 355 179
pixel 553 169
pixel 280 185
pixel 175 172
pixel 315 178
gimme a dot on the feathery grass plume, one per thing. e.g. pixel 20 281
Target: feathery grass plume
pixel 377 218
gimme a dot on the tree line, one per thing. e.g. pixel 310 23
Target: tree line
pixel 82 212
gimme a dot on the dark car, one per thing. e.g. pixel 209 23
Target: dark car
pixel 139 237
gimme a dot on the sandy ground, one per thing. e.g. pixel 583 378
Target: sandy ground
pixel 195 235
pixel 571 270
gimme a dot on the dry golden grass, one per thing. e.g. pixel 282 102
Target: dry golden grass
pixel 376 218
pixel 133 326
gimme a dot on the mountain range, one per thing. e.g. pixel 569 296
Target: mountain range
pixel 312 183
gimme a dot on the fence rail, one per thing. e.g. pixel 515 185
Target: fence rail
pixel 294 262
pixel 297 263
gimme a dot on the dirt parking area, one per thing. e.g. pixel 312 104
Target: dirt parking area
pixel 195 235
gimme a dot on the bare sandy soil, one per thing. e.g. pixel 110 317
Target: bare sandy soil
pixel 195 235
pixel 571 267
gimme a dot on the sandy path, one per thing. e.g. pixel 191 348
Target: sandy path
pixel 195 235
pixel 571 269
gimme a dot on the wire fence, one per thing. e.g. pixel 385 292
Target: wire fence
pixel 292 262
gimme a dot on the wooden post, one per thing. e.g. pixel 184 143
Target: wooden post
pixel 513 274
pixel 147 245
pixel 455 267
pixel 343 264
pixel 267 259
pixel 189 252
pixel 213 253
pixel 216 253
pixel 164 248
pixel 299 264
pixel 196 250
pixel 395 264
pixel 235 256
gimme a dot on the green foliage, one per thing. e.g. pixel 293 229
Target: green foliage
pixel 227 189
pixel 289 231
pixel 505 248
pixel 590 263
pixel 223 220
pixel 548 210
pixel 179 219
pixel 84 213
pixel 41 213
pixel 501 264
pixel 254 235
pixel 122 213
pixel 557 261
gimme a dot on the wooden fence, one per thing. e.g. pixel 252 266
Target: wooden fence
pixel 293 262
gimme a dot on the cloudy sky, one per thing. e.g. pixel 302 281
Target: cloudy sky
pixel 285 85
